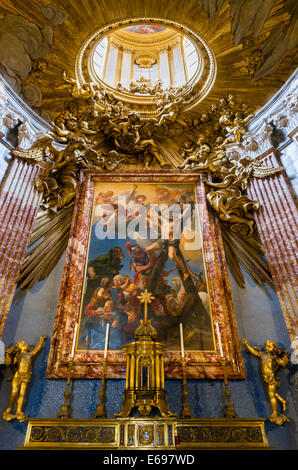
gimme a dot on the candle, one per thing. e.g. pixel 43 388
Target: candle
pixel 107 340
pixel 74 340
pixel 219 340
pixel 181 339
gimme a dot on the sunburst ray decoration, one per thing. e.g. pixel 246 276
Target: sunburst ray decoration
pixel 110 136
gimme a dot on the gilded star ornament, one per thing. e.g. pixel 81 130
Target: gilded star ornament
pixel 146 297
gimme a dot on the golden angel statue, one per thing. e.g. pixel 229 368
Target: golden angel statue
pixel 272 359
pixel 234 127
pixel 20 358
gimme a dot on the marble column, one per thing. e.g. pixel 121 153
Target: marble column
pixel 19 203
pixel 277 225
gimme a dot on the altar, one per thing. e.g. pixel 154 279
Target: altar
pixel 145 420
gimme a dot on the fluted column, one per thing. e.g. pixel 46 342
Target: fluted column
pixel 277 225
pixel 162 373
pixel 157 371
pixel 128 369
pixel 132 370
pixel 19 203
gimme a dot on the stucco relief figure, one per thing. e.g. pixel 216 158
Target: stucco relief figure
pixel 20 358
pixel 273 358
pixel 201 158
pixel 127 139
pixel 229 198
pixel 77 90
pixel 59 186
pixel 170 112
pixel 142 86
pixel 234 127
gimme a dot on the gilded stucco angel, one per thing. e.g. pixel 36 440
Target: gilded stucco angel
pixel 128 141
pixel 77 90
pixel 20 359
pixel 202 159
pixel 60 184
pixel 249 167
pixel 235 127
pixel 67 164
pixel 187 149
pixel 65 121
pixel 74 130
pixel 228 198
pixel 170 113
pixel 273 358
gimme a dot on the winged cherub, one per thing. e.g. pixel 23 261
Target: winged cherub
pixel 20 358
pixel 273 358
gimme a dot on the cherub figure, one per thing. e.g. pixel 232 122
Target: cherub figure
pixel 78 90
pixel 187 149
pixel 130 142
pixel 20 357
pixel 272 359
pixel 170 113
pixel 133 86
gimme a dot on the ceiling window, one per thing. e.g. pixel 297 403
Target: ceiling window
pixel 151 53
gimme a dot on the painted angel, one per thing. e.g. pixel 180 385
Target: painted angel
pixel 126 204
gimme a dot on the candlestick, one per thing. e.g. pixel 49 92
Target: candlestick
pixel 229 410
pixel 219 340
pixel 65 409
pixel 181 339
pixel 107 340
pixel 74 340
pixel 100 411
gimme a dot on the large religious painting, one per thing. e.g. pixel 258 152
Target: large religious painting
pixel 145 231
pixel 133 247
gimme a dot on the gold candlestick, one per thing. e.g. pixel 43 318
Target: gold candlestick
pixel 65 410
pixel 100 411
pixel 229 411
pixel 186 409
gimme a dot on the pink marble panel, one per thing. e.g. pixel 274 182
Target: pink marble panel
pixel 19 203
pixel 277 225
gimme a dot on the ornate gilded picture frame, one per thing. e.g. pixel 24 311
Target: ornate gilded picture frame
pixel 110 261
